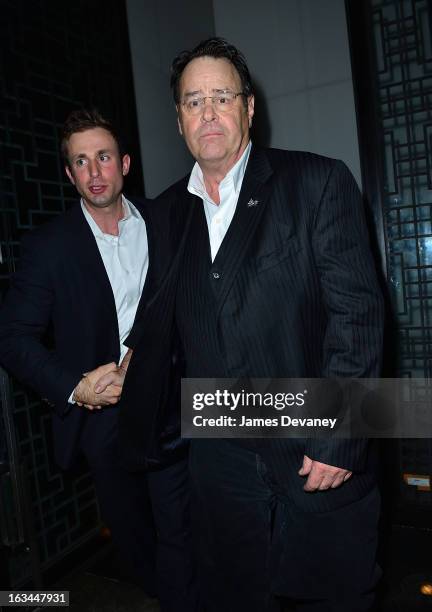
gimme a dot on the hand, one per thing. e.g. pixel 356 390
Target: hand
pixel 126 359
pixel 322 476
pixel 112 378
pixel 85 395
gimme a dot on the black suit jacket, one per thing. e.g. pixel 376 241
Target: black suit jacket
pixel 62 286
pixel 295 295
pixel 292 293
pixel 150 437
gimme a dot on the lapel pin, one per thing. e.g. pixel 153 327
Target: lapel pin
pixel 252 203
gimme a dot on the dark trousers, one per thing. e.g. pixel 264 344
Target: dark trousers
pixel 175 567
pixel 326 562
pixel 125 507
pixel 257 550
pixel 148 514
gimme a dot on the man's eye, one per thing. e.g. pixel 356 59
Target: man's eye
pixel 194 103
pixel 104 157
pixel 80 162
pixel 222 100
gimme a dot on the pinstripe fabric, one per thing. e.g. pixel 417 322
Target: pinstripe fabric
pixel 149 422
pixel 294 295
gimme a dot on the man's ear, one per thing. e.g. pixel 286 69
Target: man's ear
pixel 70 175
pixel 125 164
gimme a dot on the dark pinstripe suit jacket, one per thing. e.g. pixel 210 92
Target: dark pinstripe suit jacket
pixel 295 295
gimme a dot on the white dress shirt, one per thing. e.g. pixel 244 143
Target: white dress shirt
pixel 126 260
pixel 219 216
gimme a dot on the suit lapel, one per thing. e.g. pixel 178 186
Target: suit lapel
pixel 182 213
pixel 150 283
pixel 90 260
pixel 200 234
pixel 252 201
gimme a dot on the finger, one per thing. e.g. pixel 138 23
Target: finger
pixel 306 467
pixel 321 476
pixel 115 399
pixel 103 383
pixel 333 479
pixel 328 480
pixel 113 391
pixel 108 399
pixel 347 476
pixel 338 481
pixel 314 481
pixel 311 485
pixel 113 378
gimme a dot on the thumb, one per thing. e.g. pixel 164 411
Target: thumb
pixel 306 467
pixel 103 382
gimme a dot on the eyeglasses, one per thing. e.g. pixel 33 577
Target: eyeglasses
pixel 223 102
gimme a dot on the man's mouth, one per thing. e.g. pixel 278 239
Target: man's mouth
pixel 97 189
pixel 210 134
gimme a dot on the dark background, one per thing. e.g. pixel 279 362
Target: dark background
pixel 57 56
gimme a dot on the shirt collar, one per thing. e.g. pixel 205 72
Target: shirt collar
pixel 196 183
pixel 129 211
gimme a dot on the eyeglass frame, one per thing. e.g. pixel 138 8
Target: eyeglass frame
pixel 213 98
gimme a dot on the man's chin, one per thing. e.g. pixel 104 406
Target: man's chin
pixel 212 154
pixel 99 202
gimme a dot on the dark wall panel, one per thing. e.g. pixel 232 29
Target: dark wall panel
pixel 391 46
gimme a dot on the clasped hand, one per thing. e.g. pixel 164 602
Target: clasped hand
pixel 88 392
pixel 102 386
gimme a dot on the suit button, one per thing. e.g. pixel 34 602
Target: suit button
pixel 216 275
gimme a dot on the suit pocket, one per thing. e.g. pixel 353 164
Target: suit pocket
pixel 274 258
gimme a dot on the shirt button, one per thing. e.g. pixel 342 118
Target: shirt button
pixel 216 275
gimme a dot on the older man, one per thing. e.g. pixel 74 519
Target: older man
pixel 274 278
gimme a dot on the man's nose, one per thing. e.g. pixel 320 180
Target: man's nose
pixel 208 111
pixel 93 168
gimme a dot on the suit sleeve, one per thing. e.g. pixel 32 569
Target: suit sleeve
pixel 167 221
pixel 352 299
pixel 24 320
pixel 154 249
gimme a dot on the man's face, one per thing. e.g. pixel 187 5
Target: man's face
pixel 95 167
pixel 215 139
